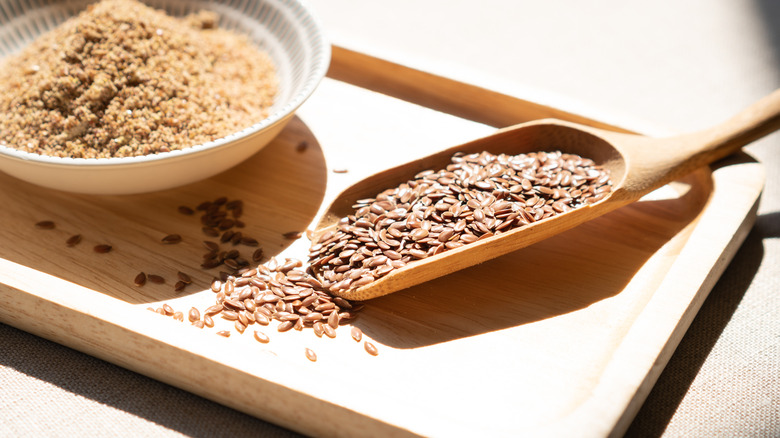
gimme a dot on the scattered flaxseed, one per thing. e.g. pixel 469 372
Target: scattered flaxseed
pixel 370 348
pixel 311 355
pixel 179 286
pixel 292 235
pixel 261 337
pixel 140 279
pixel 73 240
pixel 257 255
pixel 356 333
pixel 102 248
pixel 183 209
pixel 186 279
pixel 45 225
pixel 302 146
pixel 340 170
pixel 156 279
pixel 171 239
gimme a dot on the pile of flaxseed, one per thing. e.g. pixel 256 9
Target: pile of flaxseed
pixel 122 79
pixel 476 196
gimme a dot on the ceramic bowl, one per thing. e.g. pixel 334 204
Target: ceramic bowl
pixel 285 29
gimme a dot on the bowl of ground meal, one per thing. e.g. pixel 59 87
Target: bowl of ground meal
pixel 121 96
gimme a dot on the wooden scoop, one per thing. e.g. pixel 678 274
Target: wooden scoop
pixel 638 165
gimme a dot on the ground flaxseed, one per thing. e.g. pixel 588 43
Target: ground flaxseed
pixel 122 79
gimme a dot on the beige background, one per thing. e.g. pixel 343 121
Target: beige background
pixel 662 66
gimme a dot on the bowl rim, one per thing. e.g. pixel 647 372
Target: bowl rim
pixel 320 65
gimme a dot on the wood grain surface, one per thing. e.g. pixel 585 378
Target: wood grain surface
pixel 564 337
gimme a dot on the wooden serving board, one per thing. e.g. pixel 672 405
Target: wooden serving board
pixel 564 338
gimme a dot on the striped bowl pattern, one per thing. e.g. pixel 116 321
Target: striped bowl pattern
pixel 286 29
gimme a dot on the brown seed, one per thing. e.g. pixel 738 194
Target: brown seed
pixel 292 235
pixel 356 333
pixel 140 279
pixel 257 255
pixel 199 324
pixel 333 320
pixel 171 239
pixel 311 355
pixel 302 146
pixel 261 337
pixel 213 310
pixel 226 236
pixel 178 316
pixel 329 331
pixel 183 209
pixel 370 348
pixel 240 327
pixel 156 279
pixel 179 286
pixel 261 318
pixel 340 170
pixel 285 326
pixel 242 318
pixel 45 225
pixel 167 309
pixel 230 315
pixel 225 333
pixel 193 315
pixel 102 249
pixel 208 321
pixel 73 240
pixel 319 329
pixel 210 264
pixel 211 232
pixel 184 277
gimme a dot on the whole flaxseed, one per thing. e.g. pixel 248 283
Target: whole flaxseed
pixel 261 337
pixel 171 239
pixel 73 240
pixel 193 315
pixel 183 209
pixel 45 225
pixel 311 355
pixel 102 248
pixel 475 197
pixel 122 79
pixel 370 348
pixel 156 279
pixel 184 278
pixel 356 334
pixel 140 279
